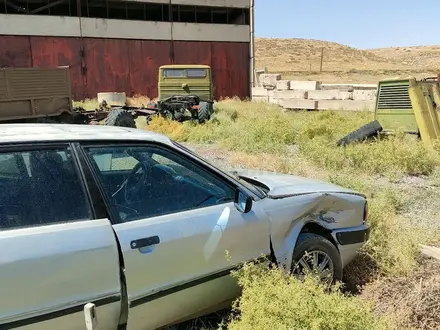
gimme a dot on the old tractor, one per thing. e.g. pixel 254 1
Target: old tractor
pixel 404 104
pixel 185 92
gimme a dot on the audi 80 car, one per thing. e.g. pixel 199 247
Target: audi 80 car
pixel 126 229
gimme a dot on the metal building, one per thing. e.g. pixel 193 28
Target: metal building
pixel 118 45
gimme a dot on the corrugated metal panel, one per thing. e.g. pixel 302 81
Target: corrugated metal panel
pixel 51 51
pixel 129 66
pixel 3 87
pixel 146 56
pixel 15 52
pixel 394 95
pixel 28 83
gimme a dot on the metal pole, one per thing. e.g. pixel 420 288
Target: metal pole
pixel 251 47
pixel 322 57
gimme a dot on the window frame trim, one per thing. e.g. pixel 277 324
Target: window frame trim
pixel 209 168
pixel 68 146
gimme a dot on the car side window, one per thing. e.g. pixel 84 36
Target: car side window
pixel 40 188
pixel 146 181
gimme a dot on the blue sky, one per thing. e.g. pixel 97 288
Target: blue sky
pixel 360 24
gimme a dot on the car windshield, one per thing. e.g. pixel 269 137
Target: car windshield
pixel 255 189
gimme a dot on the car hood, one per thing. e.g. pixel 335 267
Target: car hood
pixel 283 185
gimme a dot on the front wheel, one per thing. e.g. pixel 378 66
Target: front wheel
pixel 316 255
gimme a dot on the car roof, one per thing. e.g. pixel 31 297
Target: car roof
pixel 10 133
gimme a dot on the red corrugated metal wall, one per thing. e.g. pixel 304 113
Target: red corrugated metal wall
pixel 128 65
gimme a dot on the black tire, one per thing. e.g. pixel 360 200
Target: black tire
pixel 367 131
pixel 120 117
pixel 210 107
pixel 204 113
pixel 307 243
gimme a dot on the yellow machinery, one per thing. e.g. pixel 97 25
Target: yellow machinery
pixel 407 104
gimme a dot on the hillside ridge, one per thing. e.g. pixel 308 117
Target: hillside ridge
pixel 297 57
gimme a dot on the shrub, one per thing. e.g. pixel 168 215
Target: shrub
pixel 273 300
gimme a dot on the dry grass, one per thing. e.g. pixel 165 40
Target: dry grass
pixel 417 57
pixel 261 136
pixel 409 300
pixel 300 59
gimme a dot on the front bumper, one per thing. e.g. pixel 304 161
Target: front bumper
pixel 350 240
pixel 353 235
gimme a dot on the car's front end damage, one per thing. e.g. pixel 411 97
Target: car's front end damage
pixel 297 205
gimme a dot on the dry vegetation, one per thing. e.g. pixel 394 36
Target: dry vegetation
pixel 300 59
pixel 392 288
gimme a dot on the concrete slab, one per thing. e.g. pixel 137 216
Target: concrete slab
pixel 273 100
pixel 347 105
pixel 299 104
pixel 347 86
pixel 430 251
pixel 260 99
pixel 333 94
pixel 364 95
pixel 292 94
pixel 283 85
pixel 259 91
pixel 305 85
pixel 269 78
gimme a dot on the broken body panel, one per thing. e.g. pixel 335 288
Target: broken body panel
pixel 295 202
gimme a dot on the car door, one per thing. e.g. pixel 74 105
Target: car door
pixel 57 252
pixel 175 221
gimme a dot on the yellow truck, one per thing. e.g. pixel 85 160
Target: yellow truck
pixel 185 92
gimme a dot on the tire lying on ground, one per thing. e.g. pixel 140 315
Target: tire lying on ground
pixel 204 113
pixel 367 131
pixel 120 117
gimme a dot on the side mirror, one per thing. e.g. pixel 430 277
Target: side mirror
pixel 242 202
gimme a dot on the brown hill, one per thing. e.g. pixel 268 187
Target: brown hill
pixel 416 58
pixel 301 58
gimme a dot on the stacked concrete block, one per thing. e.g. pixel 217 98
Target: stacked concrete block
pixel 299 104
pixel 291 94
pixel 283 85
pixel 305 85
pixel 346 105
pixel 260 94
pixel 269 79
pixel 345 87
pixel 330 95
pixel 364 95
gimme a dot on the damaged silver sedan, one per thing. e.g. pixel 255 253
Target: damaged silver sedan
pixel 125 229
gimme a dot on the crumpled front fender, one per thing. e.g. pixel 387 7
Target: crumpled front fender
pixel 289 215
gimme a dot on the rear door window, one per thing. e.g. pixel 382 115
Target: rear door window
pixel 40 187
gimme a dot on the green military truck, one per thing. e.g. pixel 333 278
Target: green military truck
pixel 185 92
